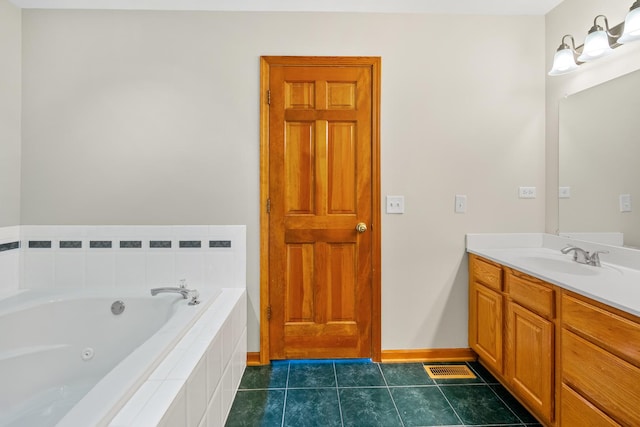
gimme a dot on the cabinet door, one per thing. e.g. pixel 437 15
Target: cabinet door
pixel 530 358
pixel 485 325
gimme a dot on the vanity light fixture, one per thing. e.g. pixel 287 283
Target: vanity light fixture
pixel 631 25
pixel 596 45
pixel 599 42
pixel 564 61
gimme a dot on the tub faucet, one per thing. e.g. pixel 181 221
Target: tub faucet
pixel 584 257
pixel 182 289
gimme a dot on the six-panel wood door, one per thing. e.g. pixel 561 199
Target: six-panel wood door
pixel 320 270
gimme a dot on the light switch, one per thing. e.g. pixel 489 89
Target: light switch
pixel 461 203
pixel 395 204
pixel 625 203
pixel 564 192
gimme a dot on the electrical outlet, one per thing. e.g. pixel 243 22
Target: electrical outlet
pixel 395 204
pixel 527 192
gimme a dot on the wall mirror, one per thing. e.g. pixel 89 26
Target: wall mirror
pixel 599 160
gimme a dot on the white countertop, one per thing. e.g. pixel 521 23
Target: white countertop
pixel 612 284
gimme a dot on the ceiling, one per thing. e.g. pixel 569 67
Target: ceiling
pixel 467 7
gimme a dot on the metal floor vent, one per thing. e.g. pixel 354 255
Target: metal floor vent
pixel 448 372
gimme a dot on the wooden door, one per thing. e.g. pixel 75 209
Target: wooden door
pixel 321 130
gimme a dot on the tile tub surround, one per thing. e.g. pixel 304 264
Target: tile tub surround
pixel 150 256
pixel 196 383
pixel 9 259
pixel 347 393
pixel 614 284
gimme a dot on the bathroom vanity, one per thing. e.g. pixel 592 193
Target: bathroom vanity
pixel 563 337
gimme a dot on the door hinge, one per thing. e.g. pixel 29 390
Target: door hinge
pixel 268 312
pixel 268 205
pixel 268 96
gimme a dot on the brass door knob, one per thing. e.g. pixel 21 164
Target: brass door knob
pixel 361 227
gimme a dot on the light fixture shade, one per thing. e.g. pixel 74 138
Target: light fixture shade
pixel 631 27
pixel 563 62
pixel 596 46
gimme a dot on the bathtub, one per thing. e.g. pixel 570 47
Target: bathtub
pixel 67 360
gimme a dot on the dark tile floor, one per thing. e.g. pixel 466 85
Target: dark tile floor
pixel 360 393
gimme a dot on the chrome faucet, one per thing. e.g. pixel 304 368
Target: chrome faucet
pixel 584 257
pixel 579 255
pixel 181 289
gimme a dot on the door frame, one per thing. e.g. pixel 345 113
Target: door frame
pixel 266 62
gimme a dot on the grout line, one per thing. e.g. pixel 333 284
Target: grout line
pixel 507 405
pixel 260 389
pixel 413 386
pixel 496 394
pixel 286 388
pixel 363 386
pixel 335 377
pixel 318 388
pixel 391 396
pixel 451 406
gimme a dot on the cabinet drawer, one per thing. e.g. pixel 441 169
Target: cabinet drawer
pixel 531 293
pixel 618 335
pixel 576 411
pixel 607 381
pixel 488 274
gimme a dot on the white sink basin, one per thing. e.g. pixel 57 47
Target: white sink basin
pixel 560 265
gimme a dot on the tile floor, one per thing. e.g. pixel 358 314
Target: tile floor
pixel 360 393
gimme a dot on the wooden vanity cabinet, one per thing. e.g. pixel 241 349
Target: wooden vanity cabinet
pixel 486 312
pixel 512 329
pixel 600 356
pixel 570 360
pixel 530 337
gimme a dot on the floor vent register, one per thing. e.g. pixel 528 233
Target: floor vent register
pixel 448 372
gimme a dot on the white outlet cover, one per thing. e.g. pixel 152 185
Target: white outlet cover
pixel 527 192
pixel 461 203
pixel 625 203
pixel 395 204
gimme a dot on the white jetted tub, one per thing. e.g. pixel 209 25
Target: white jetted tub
pixel 64 354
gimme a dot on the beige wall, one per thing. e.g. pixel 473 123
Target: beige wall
pixel 10 75
pixel 576 17
pixel 152 118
